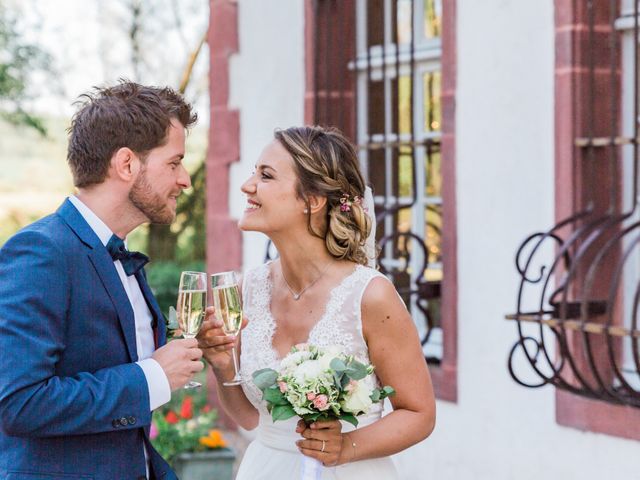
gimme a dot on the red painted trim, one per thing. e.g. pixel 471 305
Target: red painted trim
pixel 224 241
pixel 572 114
pixel 309 63
pixel 445 377
pixel 594 416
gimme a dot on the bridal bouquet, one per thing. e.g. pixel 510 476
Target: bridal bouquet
pixel 319 384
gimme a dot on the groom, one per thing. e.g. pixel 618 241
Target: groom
pixel 83 360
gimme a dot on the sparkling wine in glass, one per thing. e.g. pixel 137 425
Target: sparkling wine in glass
pixel 228 309
pixel 192 302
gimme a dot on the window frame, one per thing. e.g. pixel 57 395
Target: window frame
pixel 444 375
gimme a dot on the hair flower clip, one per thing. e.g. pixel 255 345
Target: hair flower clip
pixel 346 202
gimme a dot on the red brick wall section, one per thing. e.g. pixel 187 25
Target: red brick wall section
pixel 224 241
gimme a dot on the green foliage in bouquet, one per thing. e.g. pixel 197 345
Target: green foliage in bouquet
pixel 319 384
pixel 185 424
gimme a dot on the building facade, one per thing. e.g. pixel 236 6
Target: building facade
pixel 470 121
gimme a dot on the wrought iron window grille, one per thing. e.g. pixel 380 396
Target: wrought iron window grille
pixel 578 300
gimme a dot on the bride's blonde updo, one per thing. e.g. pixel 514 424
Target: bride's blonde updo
pixel 327 165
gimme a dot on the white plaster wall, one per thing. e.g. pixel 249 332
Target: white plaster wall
pixel 504 136
pixel 267 86
pixel 505 191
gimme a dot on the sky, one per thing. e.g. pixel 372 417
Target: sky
pixel 88 41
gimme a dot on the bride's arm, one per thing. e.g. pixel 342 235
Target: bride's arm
pixel 216 348
pixel 395 350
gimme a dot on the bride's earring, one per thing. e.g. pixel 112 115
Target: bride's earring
pixel 306 210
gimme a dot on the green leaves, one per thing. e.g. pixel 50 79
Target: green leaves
pixel 348 417
pixel 388 391
pixel 282 412
pixel 375 396
pixel 356 370
pixel 274 396
pixel 265 378
pixel 381 393
pixel 338 365
pixel 349 370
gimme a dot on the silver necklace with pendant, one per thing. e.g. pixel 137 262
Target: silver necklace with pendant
pixel 296 296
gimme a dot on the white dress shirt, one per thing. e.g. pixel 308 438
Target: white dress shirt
pixel 157 382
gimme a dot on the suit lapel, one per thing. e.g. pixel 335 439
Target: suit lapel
pixel 159 327
pixel 103 264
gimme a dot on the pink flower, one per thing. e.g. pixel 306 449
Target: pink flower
pixel 320 402
pixel 351 386
pixel 283 386
pixel 311 396
pixel 153 431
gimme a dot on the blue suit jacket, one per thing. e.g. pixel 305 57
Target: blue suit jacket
pixel 73 404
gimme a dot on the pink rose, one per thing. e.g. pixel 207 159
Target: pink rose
pixel 311 396
pixel 351 386
pixel 153 431
pixel 283 386
pixel 320 402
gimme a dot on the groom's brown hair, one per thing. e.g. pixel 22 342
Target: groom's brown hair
pixel 125 115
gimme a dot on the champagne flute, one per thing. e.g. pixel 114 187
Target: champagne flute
pixel 228 309
pixel 192 302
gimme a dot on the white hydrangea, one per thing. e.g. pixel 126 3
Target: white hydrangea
pixel 289 362
pixel 309 370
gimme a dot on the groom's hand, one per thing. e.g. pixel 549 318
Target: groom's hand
pixel 179 359
pixel 215 344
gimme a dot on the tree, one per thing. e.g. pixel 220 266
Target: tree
pixel 18 60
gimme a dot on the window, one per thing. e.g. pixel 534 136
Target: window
pixel 399 89
pixel 374 69
pixel 583 306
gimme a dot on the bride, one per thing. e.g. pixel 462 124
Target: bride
pixel 305 194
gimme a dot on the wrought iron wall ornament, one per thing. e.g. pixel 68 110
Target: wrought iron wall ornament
pixel 579 282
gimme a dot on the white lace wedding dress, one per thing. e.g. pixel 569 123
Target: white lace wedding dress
pixel 273 454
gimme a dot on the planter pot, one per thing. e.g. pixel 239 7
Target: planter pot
pixel 208 465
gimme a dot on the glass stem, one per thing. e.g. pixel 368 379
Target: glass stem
pixel 235 362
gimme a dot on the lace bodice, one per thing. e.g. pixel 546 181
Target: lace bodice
pixel 341 323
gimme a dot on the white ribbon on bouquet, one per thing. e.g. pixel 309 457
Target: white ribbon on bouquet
pixel 311 469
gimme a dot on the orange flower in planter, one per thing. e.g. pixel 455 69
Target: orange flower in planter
pixel 186 411
pixel 213 440
pixel 171 417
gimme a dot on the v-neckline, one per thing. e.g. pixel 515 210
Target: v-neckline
pixel 321 319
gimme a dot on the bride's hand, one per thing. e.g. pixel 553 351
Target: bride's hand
pixel 323 441
pixel 215 344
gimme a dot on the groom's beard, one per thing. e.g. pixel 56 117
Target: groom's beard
pixel 150 203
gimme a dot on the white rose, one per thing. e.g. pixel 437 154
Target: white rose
pixel 359 398
pixel 309 370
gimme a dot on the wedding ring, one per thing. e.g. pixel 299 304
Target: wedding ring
pixel 323 444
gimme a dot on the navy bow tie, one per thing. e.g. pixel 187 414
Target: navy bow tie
pixel 131 261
